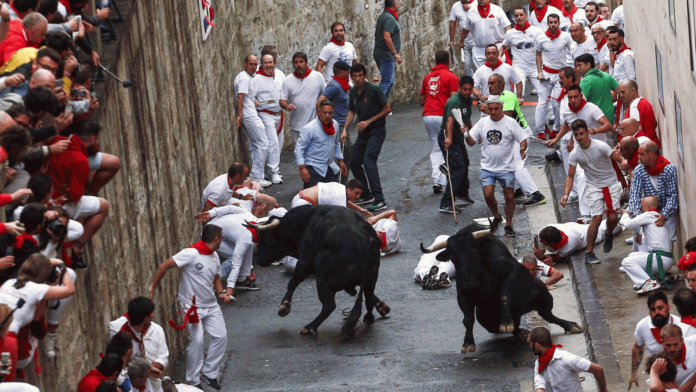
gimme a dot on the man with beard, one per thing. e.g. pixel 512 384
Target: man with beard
pixel 648 332
pixel 558 370
pixel 682 351
pixel 338 49
pixel 300 93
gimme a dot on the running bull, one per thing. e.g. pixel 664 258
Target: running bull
pixel 492 287
pixel 334 244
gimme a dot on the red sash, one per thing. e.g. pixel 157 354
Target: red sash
pixel 190 317
pixel 307 199
pixel 607 200
pixel 383 239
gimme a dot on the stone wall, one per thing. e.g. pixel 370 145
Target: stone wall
pixel 174 131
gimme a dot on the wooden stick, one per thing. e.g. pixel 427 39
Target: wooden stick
pixel 449 177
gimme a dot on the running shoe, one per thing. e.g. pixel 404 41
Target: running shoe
pixel 213 382
pixel 536 199
pixel 364 201
pixel 509 232
pixel 377 206
pixel 649 286
pixel 608 242
pixel 247 285
pixel 437 188
pixel 465 200
pixel 450 210
pixel 590 258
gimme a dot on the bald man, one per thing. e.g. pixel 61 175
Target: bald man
pixel 629 152
pixel 631 127
pixel 639 108
pixel 29 32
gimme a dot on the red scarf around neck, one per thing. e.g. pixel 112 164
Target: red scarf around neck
pixel 263 73
pixel 572 12
pixel 66 3
pixel 329 129
pixel 562 242
pixel 393 12
pixel 657 332
pixel 659 167
pixel 624 47
pixel 485 10
pixel 19 240
pixel 303 76
pixel 343 82
pixel 601 44
pixel 546 358
pixel 202 248
pixel 128 329
pixel 582 105
pixel 682 357
pixel 599 19
pixel 254 233
pixel 563 94
pixel 552 36
pixel 494 67
pixel 540 13
pixel 338 43
pixel 523 29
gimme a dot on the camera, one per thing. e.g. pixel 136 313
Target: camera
pixel 5 369
pixel 57 274
pixel 57 228
pixel 78 93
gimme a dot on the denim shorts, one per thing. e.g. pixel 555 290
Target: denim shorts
pixel 506 180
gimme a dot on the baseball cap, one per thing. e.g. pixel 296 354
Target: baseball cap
pixel 494 99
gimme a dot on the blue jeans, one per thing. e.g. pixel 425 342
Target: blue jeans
pixel 506 180
pixel 386 68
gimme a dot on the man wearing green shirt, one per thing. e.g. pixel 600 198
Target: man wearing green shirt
pixel 596 85
pixel 524 182
pixel 387 45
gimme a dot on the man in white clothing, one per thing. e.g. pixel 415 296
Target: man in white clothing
pixel 332 194
pixel 221 189
pixel 539 269
pixel 538 17
pixel 593 16
pixel 625 64
pixel 338 49
pixel 551 50
pixel 387 228
pixel 301 91
pixel 148 337
pixel 459 15
pixel 487 24
pixel 521 41
pixel 581 44
pixel 249 121
pixel 682 351
pixel 604 11
pixel 571 13
pixel 430 272
pixel 600 38
pixel 558 240
pixel 199 288
pixel 617 17
pixel 494 65
pixel 577 108
pixel 266 97
pixel 558 370
pixel 641 267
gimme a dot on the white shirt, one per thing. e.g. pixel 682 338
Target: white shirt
pixel 243 85
pixel 595 160
pixel 498 139
pixel 625 66
pixel 656 238
pixel 217 192
pixel 486 31
pixel 522 46
pixel 233 233
pixel 553 53
pixel 617 17
pixel 578 16
pixel 32 293
pixel 580 3
pixel 457 14
pixel 197 275
pixel 644 336
pixel 561 375
pixel 504 69
pixel 544 24
pixel 591 113
pixel 332 53
pixel 304 95
pixel 604 56
pixel 267 88
pixel 390 228
pixel 542 269
pixel 576 50
pixel 683 375
pixel 577 238
pixel 633 111
pixel 331 194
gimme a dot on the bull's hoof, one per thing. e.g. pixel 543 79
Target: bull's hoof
pixel 369 318
pixel 284 309
pixel 468 348
pixel 308 331
pixel 504 328
pixel 382 308
pixel 576 328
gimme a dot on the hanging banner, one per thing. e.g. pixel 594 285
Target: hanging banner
pixel 207 15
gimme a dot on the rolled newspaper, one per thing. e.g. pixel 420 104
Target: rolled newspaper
pixel 458 116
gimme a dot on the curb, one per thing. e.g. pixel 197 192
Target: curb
pixel 594 320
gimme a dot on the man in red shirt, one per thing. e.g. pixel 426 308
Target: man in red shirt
pixel 70 170
pixel 108 369
pixel 28 32
pixel 438 86
pixel 639 108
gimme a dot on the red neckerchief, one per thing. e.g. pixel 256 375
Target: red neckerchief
pixel 562 242
pixel 338 43
pixel 343 82
pixel 202 248
pixel 329 129
pixel 681 361
pixel 657 332
pixel 485 10
pixel 653 209
pixel 570 15
pixel 601 44
pixel 303 76
pixel 659 166
pixel 263 73
pixel 128 329
pixel 582 105
pixel 618 52
pixel 553 37
pixel 563 94
pixel 633 162
pixel 540 13
pixel 144 387
pixel 523 29
pixel 383 239
pixel 494 67
pixel 66 3
pixel 690 320
pixel 254 233
pixel 393 12
pixel 19 240
pixel 545 359
pixel 599 19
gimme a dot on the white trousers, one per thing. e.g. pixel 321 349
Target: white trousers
pixel 241 259
pixel 53 315
pixel 213 324
pixel 271 123
pixel 432 126
pixel 253 128
pixel 565 155
pixel 636 262
pixel 581 181
pixel 467 58
pixel 523 179
pixel 442 266
pixel 548 92
pixel 530 73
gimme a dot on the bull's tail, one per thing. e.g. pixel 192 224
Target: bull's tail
pixel 351 321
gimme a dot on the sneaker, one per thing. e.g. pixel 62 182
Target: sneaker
pixel 608 243
pixel 50 344
pixel 377 206
pixel 629 241
pixel 590 258
pixel 572 199
pixel 533 92
pixel 438 281
pixel 277 178
pixel 465 200
pixel 261 182
pixel 496 222
pixel 364 201
pixel 437 188
pixel 199 386
pixel 450 210
pixel 536 199
pixel 541 135
pixel 649 286
pixel 443 169
pixel 246 285
pixel 552 157
pixel 425 283
pixel 509 232
pixel 519 193
pixel 213 382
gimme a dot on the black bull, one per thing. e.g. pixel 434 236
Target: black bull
pixel 493 287
pixel 334 244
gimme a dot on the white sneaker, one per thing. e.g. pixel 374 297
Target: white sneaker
pixel 262 182
pixel 649 286
pixel 276 178
pixel 50 344
pixel 629 241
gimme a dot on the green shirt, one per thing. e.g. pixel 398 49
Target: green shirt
pixel 597 87
pixel 386 22
pixel 367 104
pixel 511 104
pixel 457 102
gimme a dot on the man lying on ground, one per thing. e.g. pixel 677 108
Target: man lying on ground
pixel 331 194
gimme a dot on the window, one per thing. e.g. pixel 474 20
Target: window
pixel 680 140
pixel 660 90
pixel 672 19
pixel 692 35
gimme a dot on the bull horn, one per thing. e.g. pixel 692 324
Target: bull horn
pixel 269 226
pixel 480 234
pixel 434 247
